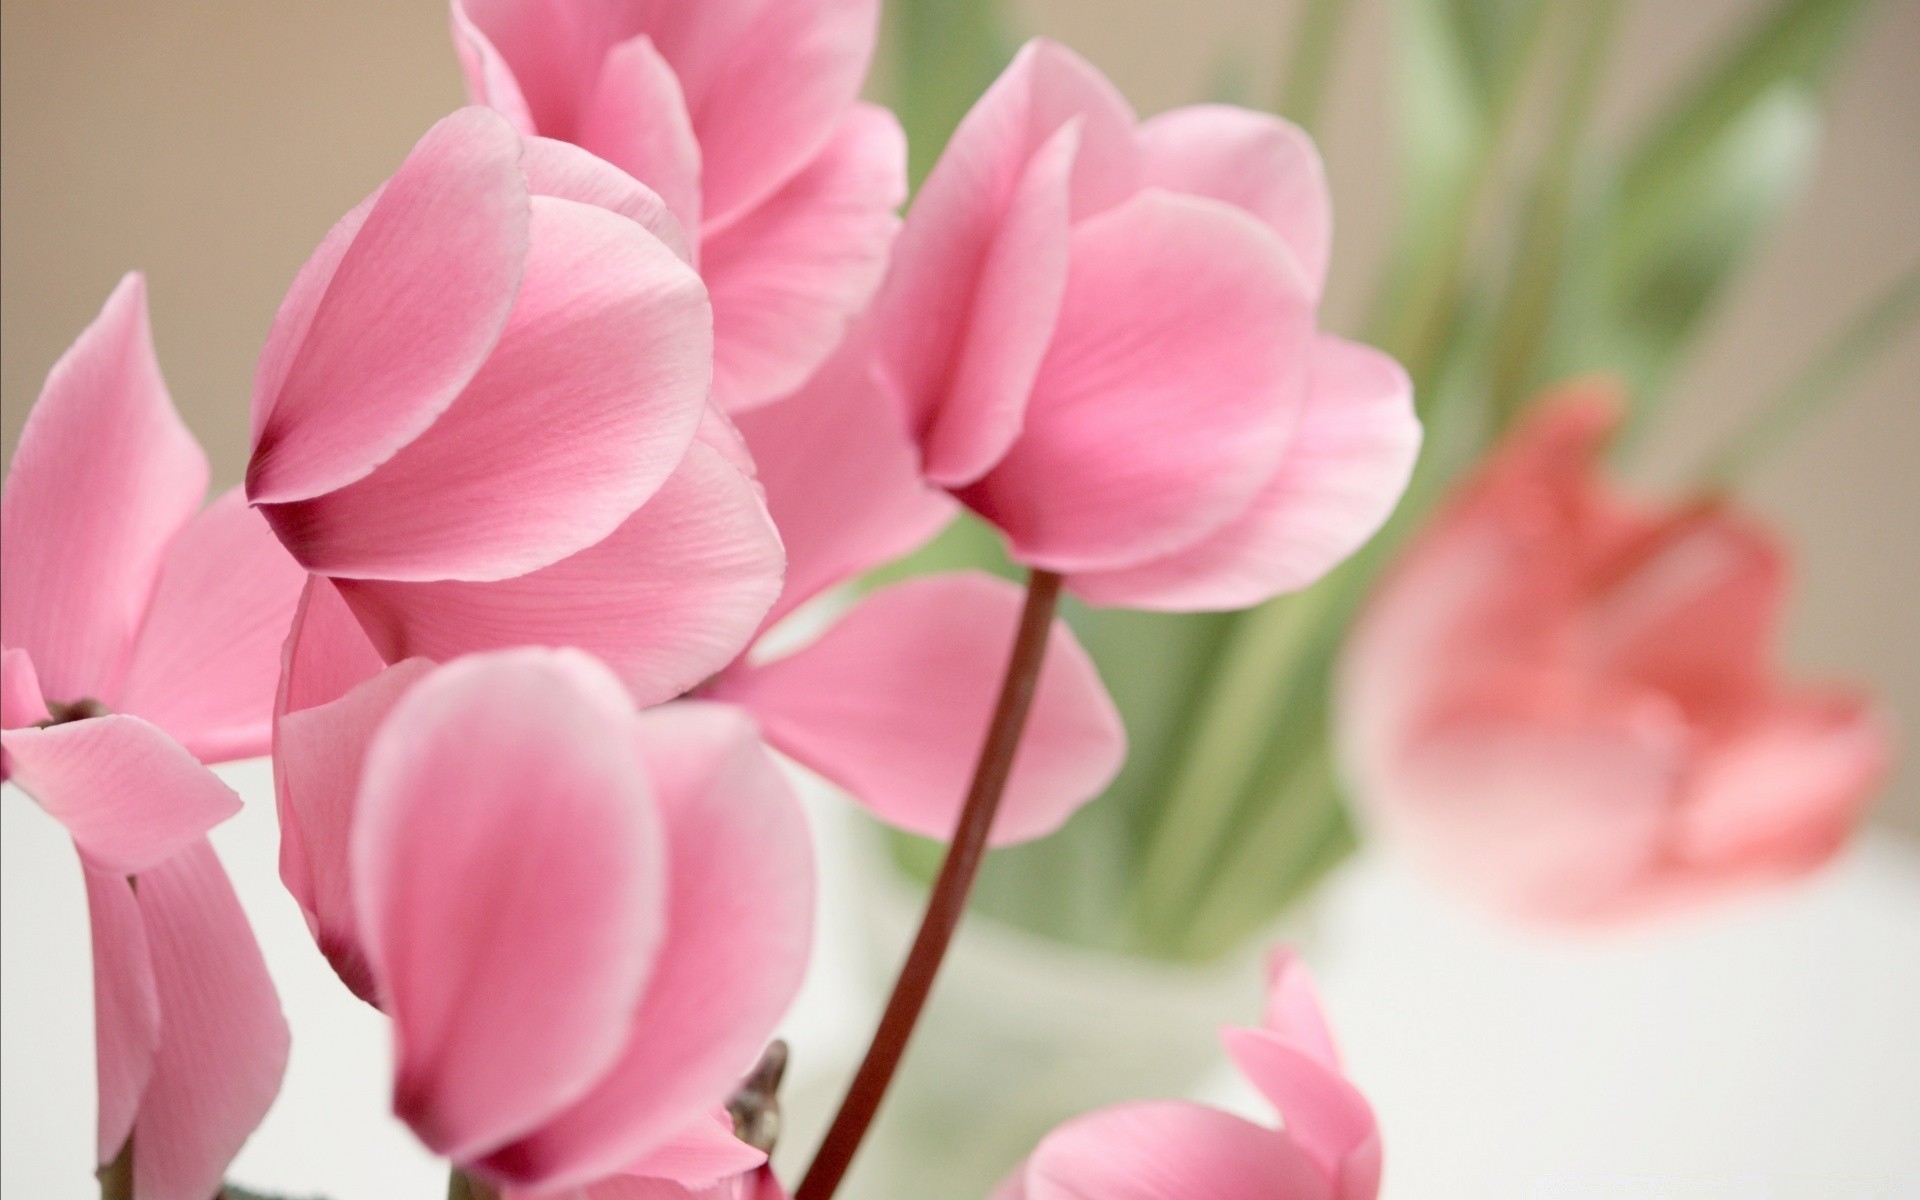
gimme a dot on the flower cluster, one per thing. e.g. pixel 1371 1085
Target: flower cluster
pixel 623 370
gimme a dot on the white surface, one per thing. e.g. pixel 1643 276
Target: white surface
pixel 1770 1052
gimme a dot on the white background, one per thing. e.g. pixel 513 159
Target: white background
pixel 1768 1052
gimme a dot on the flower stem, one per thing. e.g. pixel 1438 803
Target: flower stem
pixel 948 899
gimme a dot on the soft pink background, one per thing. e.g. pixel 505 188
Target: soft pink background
pixel 211 143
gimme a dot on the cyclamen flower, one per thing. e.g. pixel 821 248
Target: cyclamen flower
pixel 583 920
pixel 482 411
pixel 141 637
pixel 1565 702
pixel 1102 336
pixel 742 114
pixel 1329 1148
pixel 891 701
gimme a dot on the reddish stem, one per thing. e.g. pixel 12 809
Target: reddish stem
pixel 948 900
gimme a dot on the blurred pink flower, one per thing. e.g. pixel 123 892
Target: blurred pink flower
pixel 743 115
pixel 141 636
pixel 892 701
pixel 1102 335
pixel 482 411
pixel 1566 702
pixel 583 920
pixel 1329 1148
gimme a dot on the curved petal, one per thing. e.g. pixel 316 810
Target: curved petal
pixel 207 661
pixel 223 1041
pixel 1169 1150
pixel 104 475
pixel 21 703
pixel 129 795
pixel 742 909
pixel 1346 467
pixel 1168 394
pixel 549 51
pixel 636 118
pixel 970 301
pixel 319 754
pixel 490 81
pixel 1324 1114
pixel 327 653
pixel 582 410
pixel 666 600
pixel 766 84
pixel 566 172
pixel 1782 795
pixel 893 701
pixel 789 274
pixel 377 347
pixel 842 480
pixel 700 1156
pixel 508 1001
pixel 1695 614
pixel 1253 161
pixel 1294 1011
pixel 126 1005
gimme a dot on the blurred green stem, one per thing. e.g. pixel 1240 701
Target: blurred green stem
pixel 1416 313
pixel 1258 667
pixel 1895 310
pixel 462 1186
pixel 1316 39
pixel 1541 255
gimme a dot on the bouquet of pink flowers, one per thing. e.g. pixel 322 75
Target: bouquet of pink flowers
pixel 600 465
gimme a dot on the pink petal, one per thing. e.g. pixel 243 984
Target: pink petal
pixel 1253 161
pixel 548 50
pixel 666 600
pixel 1169 1150
pixel 582 410
pixel 965 314
pixel 223 1042
pixel 566 172
pixel 842 480
pixel 508 1000
pixel 207 661
pixel 1168 393
pixel 490 81
pixel 893 701
pixel 1783 794
pixel 129 795
pixel 20 700
pixel 319 755
pixel 1695 619
pixel 382 331
pixel 327 653
pixel 1324 1114
pixel 636 118
pixel 789 274
pixel 1294 1011
pixel 700 1156
pixel 767 84
pixel 126 1006
pixel 104 475
pixel 741 906
pixel 1345 468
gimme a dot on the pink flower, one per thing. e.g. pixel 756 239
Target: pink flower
pixel 482 411
pixel 583 920
pixel 892 701
pixel 1174 1150
pixel 1566 702
pixel 1102 335
pixel 140 636
pixel 742 114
